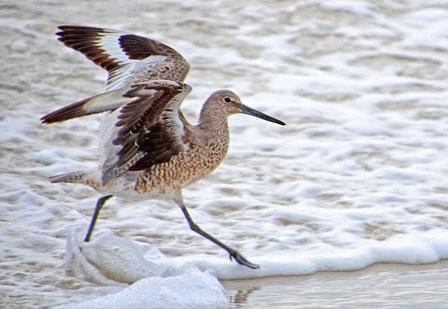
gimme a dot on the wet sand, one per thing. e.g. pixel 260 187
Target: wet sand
pixel 379 286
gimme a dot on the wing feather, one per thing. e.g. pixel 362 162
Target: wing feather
pixel 147 130
pixel 107 101
pixel 127 57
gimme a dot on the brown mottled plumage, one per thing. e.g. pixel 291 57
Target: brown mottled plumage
pixel 149 149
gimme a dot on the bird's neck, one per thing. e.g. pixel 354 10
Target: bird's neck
pixel 213 121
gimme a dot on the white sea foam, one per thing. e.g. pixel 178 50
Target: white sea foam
pixel 358 176
pixel 191 289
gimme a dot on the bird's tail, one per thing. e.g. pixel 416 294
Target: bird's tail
pixel 74 177
pixel 89 177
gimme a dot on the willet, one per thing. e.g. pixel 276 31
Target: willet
pixel 149 150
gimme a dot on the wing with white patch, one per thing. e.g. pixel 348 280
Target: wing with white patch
pixel 107 101
pixel 128 58
pixel 147 130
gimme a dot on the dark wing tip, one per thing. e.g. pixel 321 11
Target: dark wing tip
pixel 79 27
pixel 56 116
pixel 50 118
pixel 75 32
pixel 64 29
pixel 86 40
pixel 71 111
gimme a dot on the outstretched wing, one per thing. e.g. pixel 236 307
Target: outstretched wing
pixel 149 129
pixel 144 127
pixel 107 101
pixel 128 58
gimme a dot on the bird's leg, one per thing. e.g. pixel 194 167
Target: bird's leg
pixel 233 253
pixel 99 204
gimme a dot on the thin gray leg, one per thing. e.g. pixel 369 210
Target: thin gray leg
pixel 232 252
pixel 99 204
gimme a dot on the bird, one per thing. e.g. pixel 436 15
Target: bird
pixel 148 148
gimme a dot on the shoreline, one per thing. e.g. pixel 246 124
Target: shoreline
pixel 381 285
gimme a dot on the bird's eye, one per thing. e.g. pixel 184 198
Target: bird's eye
pixel 227 100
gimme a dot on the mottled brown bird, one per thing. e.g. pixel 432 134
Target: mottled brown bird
pixel 149 150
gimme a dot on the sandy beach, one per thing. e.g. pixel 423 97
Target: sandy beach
pixel 344 207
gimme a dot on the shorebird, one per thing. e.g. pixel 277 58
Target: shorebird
pixel 149 150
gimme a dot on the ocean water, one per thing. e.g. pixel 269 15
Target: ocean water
pixel 357 177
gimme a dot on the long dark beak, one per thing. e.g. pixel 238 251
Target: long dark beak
pixel 253 112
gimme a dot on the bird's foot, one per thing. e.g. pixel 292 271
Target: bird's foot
pixel 242 260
